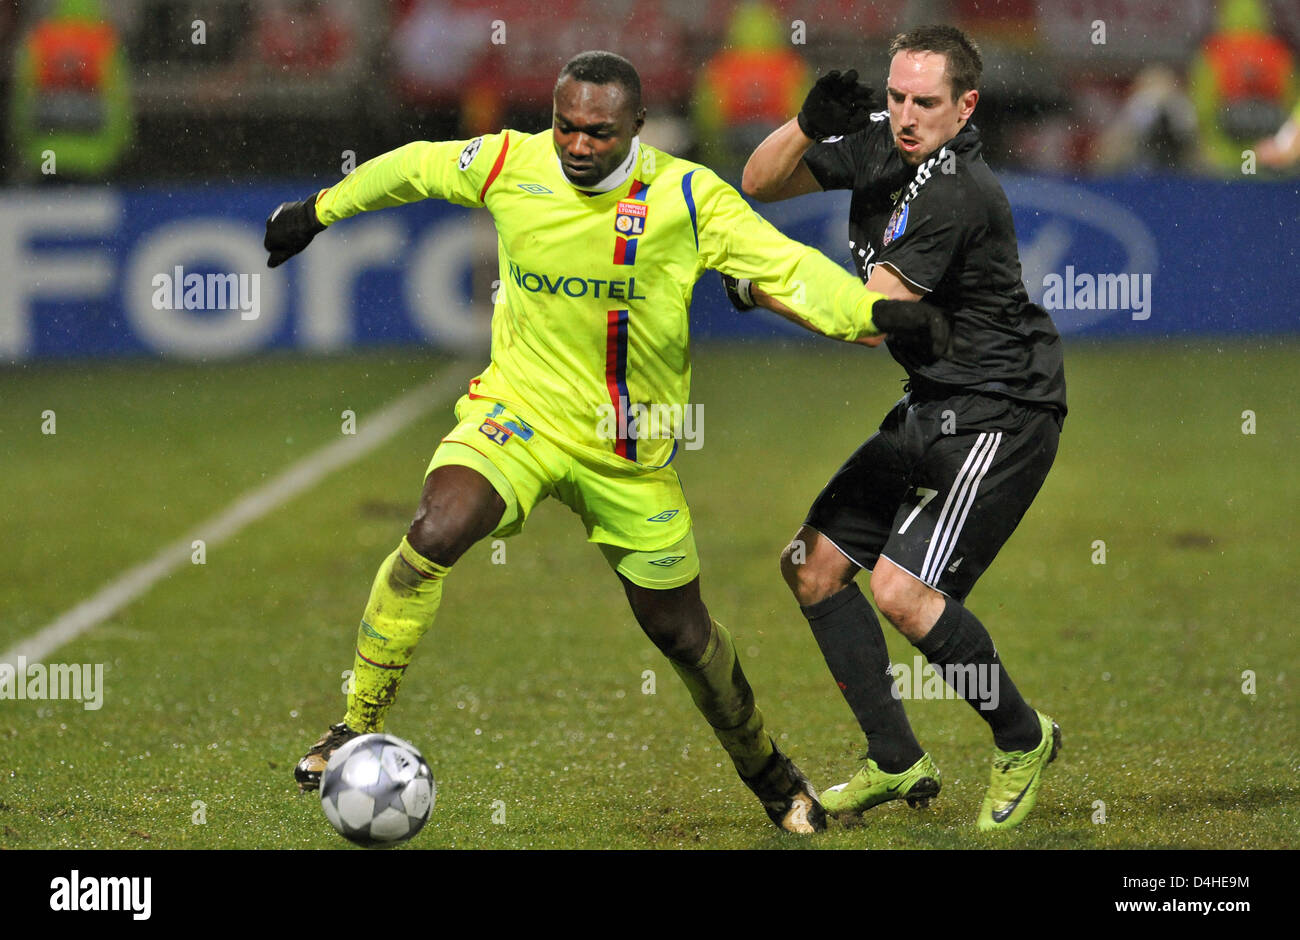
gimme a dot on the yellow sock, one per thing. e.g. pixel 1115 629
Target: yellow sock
pixel 403 602
pixel 722 694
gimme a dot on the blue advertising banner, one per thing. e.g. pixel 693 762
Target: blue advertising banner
pixel 182 273
pixel 1142 257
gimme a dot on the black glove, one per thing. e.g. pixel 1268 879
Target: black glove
pixel 920 325
pixel 290 229
pixel 836 105
pixel 738 292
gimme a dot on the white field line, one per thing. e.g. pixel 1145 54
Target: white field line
pixel 372 431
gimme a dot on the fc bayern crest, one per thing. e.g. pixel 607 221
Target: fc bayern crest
pixel 897 224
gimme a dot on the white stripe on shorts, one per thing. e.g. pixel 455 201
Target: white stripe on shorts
pixel 956 507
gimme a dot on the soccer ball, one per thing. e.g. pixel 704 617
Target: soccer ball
pixel 377 790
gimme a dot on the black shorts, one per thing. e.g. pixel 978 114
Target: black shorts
pixel 940 487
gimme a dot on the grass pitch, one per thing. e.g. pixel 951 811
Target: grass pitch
pixel 548 719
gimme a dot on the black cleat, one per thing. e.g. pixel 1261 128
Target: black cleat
pixel 308 770
pixel 790 800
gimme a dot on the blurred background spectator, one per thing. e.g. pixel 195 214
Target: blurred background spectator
pixel 1241 82
pixel 289 88
pixel 1283 148
pixel 1154 130
pixel 70 113
pixel 442 71
pixel 750 87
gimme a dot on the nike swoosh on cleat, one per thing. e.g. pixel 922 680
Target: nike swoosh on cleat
pixel 893 788
pixel 1001 815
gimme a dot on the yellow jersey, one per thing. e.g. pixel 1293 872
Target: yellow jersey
pixel 591 323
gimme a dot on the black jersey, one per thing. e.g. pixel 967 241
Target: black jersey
pixel 945 228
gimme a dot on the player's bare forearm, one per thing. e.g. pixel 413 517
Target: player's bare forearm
pixel 885 280
pixel 776 170
pixel 769 302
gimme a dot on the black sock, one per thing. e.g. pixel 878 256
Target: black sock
pixel 957 642
pixel 849 635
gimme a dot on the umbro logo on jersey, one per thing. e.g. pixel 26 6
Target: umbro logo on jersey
pixel 535 188
pixel 667 561
pixel 664 516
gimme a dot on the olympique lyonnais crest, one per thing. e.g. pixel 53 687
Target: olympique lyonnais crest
pixel 897 224
pixel 630 220
pixel 495 431
pixel 629 223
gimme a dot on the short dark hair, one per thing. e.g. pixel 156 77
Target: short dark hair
pixel 604 68
pixel 960 52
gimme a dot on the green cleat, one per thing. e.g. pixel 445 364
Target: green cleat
pixel 871 786
pixel 1013 785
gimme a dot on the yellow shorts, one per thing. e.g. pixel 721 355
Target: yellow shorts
pixel 641 521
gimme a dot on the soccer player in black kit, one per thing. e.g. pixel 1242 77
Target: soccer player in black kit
pixel 927 502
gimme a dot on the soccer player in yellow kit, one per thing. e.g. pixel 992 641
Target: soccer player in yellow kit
pixel 600 241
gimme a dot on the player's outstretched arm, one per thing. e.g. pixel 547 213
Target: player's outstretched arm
pixel 458 171
pixel 745 296
pixel 820 294
pixel 895 308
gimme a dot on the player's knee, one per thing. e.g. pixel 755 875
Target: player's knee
pixel 681 639
pixel 895 592
pixel 458 506
pixel 792 567
pixel 787 564
pixel 676 622
pixel 684 646
pixel 438 538
pixel 808 581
